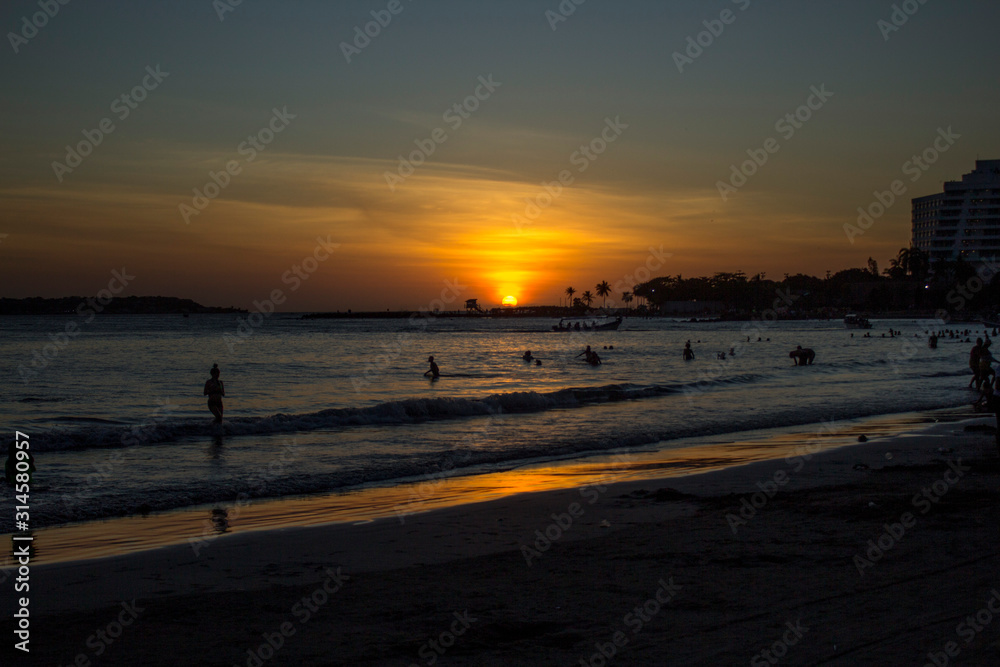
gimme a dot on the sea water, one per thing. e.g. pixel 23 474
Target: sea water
pixel 118 423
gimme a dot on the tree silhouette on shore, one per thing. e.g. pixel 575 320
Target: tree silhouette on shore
pixel 603 290
pixel 570 292
pixel 626 299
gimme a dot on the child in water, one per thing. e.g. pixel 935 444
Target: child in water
pixel 215 390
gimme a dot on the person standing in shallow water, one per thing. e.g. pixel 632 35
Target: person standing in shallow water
pixel 433 371
pixel 974 363
pixel 215 390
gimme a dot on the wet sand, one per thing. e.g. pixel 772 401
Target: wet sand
pixel 653 571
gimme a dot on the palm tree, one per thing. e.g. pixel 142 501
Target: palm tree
pixel 603 290
pixel 587 297
pixel 570 292
pixel 626 299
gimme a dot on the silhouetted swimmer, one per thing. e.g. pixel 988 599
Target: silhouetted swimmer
pixel 974 354
pixel 688 353
pixel 215 390
pixel 527 356
pixel 433 372
pixel 538 362
pixel 802 356
pixel 585 354
pixel 986 360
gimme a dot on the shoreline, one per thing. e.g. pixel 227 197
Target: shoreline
pixel 792 560
pixel 401 499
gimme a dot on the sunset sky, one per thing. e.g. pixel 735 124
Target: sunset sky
pixel 548 93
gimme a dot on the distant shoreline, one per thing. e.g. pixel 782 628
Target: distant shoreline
pixel 129 305
pixel 159 305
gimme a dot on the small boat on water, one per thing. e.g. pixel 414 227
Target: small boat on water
pixel 588 324
pixel 852 321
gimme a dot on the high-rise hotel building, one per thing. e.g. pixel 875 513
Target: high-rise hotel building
pixel 964 220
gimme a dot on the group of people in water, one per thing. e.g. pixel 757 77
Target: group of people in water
pixel 588 355
pixel 800 355
pixel 981 363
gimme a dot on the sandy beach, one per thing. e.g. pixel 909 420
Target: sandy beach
pixel 879 553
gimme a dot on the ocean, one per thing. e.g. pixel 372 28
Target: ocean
pixel 118 424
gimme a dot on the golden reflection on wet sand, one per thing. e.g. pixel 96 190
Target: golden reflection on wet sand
pixel 98 539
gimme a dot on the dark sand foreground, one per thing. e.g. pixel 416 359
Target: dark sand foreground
pixel 657 569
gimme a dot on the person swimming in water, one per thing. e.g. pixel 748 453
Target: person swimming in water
pixel 527 356
pixel 688 353
pixel 433 371
pixel 215 390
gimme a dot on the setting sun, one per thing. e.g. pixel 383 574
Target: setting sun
pixel 509 301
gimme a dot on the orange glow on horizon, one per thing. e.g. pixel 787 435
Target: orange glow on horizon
pixel 509 301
